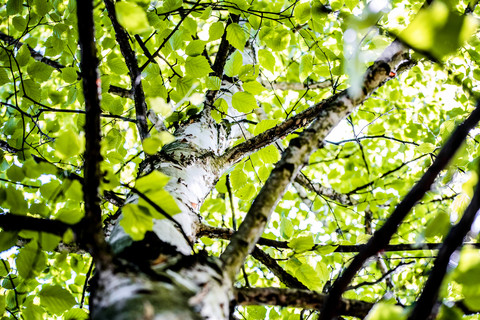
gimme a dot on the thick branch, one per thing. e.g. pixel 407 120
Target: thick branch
pixel 331 112
pixel 14 222
pixel 383 235
pixel 133 70
pixel 297 298
pixel 454 239
pixel 285 277
pixel 91 234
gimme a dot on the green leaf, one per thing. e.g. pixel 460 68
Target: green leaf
pixel 303 243
pixel 68 144
pixel 425 148
pixel 151 182
pixel 2 304
pixel 326 249
pixel 264 125
pixel 48 241
pixel 267 60
pixel 254 87
pixel 213 83
pixel 15 173
pixel 132 17
pixel 154 143
pixel 197 66
pixel 164 200
pixel 276 39
pixel 14 6
pixel 234 64
pixel 195 47
pixel 117 65
pixel 244 102
pixel 16 201
pixel 269 154
pixel 70 216
pixel 7 239
pixel 30 261
pixel 247 192
pixel 256 312
pixel 76 314
pixel 306 66
pixel 216 31
pixel 476 74
pixel 236 36
pixel 42 7
pixel 39 71
pixel 351 4
pixel 385 311
pixel 32 89
pixel 286 228
pixel 23 56
pixel 220 110
pixel 438 30
pixel 439 226
pixel 19 23
pixel 135 222
pixel 3 77
pixel 309 277
pixel 56 299
pixel 302 12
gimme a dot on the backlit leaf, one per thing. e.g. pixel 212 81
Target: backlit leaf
pixel 132 17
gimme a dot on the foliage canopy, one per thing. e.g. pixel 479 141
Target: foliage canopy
pixel 173 62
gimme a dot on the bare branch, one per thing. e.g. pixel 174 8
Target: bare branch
pixel 383 235
pixel 297 298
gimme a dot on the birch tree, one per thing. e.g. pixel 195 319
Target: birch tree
pixel 239 159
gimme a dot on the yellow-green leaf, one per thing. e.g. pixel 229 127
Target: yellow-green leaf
pixel 132 17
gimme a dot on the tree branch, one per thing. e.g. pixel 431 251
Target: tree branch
pixel 226 234
pixel 322 191
pixel 339 104
pixel 331 112
pixel 297 298
pixel 382 136
pixel 14 222
pixel 424 306
pixel 133 70
pixel 296 86
pixel 382 236
pixel 35 55
pixel 285 277
pixel 91 233
pixel 150 59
